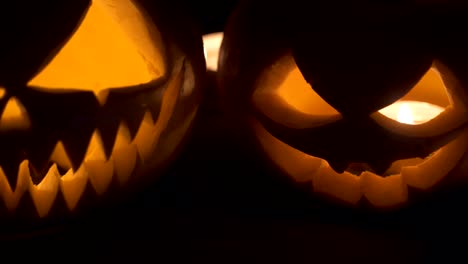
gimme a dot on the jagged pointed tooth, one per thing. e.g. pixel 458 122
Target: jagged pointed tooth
pixel 169 99
pixel 73 184
pixel 108 132
pixel 125 158
pixel 11 196
pixel 149 131
pixel 155 105
pixel 11 172
pixel 100 174
pixel 5 188
pixel 95 149
pixel 383 192
pixel 44 193
pixel 76 144
pixel 60 156
pixel 146 138
pixel 124 154
pixel 155 110
pixel 342 186
pixel 134 119
pixel 338 166
pixel 123 137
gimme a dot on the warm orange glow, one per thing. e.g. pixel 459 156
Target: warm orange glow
pixel 14 116
pixel 430 89
pixel 285 79
pixel 111 48
pixel 285 96
pixel 386 191
pixel 115 46
pixel 428 100
pixel 297 92
pixel 211 45
pixel 96 167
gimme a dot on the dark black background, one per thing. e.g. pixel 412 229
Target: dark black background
pixel 219 203
pixel 210 14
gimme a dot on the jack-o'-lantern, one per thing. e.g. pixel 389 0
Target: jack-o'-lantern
pixel 96 96
pixel 362 102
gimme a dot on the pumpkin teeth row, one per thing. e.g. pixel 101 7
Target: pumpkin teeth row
pixel 96 168
pixel 389 191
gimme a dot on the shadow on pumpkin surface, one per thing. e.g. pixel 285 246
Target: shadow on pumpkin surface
pixel 219 204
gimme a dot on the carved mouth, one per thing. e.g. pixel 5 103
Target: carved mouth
pixel 389 191
pixel 97 166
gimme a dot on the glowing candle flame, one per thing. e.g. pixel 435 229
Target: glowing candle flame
pixel 411 112
pixel 212 43
pixel 405 115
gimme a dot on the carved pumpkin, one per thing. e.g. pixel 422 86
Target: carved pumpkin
pixel 96 96
pixel 320 90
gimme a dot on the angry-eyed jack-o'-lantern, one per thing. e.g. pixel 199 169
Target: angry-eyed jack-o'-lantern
pixel 330 92
pixel 94 95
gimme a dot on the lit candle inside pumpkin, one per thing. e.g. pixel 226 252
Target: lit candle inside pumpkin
pixel 412 112
pixel 212 43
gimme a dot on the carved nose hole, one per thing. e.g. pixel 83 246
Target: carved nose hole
pixel 2 92
pixel 14 116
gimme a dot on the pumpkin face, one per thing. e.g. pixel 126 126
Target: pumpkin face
pixel 94 95
pixel 334 105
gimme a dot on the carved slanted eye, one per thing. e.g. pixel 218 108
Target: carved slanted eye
pixel 437 96
pixel 424 102
pixel 282 90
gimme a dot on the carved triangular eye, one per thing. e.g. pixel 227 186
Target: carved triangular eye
pixel 112 48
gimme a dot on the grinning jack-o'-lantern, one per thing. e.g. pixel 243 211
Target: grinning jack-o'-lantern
pixel 364 103
pixel 94 95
